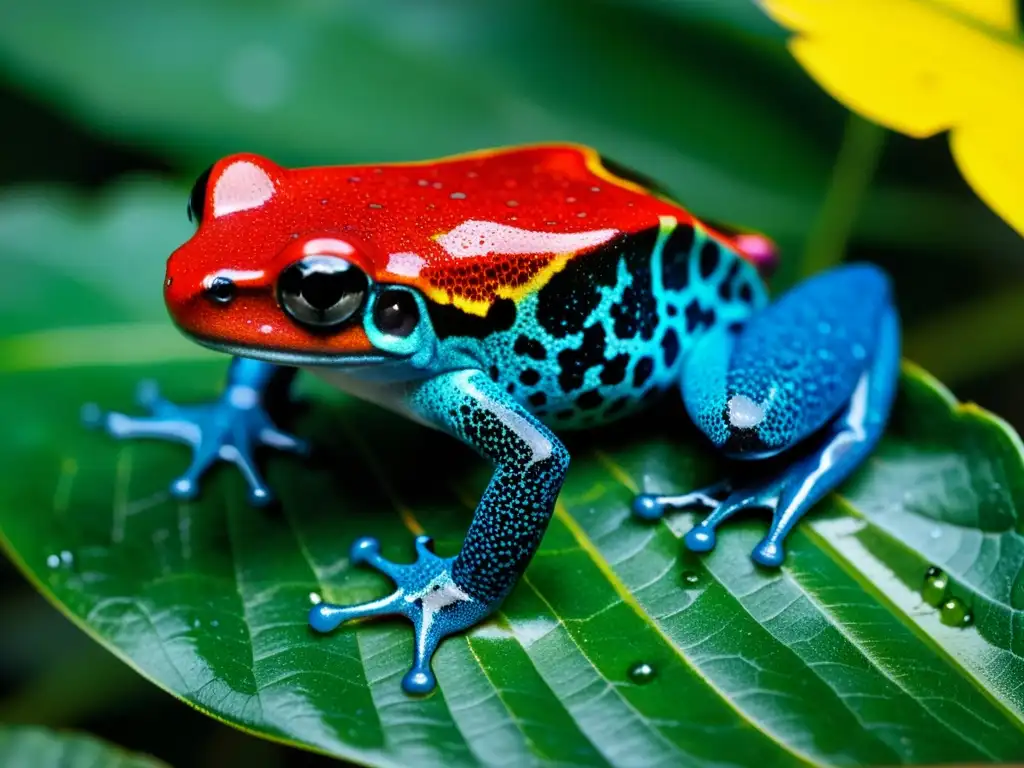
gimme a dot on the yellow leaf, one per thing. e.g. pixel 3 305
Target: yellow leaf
pixel 922 67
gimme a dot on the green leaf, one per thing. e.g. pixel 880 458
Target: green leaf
pixel 30 747
pixel 835 659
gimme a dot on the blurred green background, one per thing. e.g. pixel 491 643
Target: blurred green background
pixel 110 108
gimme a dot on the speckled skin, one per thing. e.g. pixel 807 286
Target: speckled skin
pixel 480 296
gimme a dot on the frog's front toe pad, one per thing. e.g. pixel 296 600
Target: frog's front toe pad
pixel 427 595
pixel 229 429
pixel 723 503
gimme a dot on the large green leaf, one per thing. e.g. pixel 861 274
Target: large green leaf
pixel 834 659
pixel 30 747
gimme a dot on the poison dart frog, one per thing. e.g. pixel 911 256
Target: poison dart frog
pixel 503 297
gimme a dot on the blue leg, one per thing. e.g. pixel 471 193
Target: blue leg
pixel 230 428
pixel 811 380
pixel 442 596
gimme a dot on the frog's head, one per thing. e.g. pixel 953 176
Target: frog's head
pixel 270 274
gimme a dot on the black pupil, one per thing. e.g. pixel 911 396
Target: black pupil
pixel 322 290
pixel 396 313
pixel 197 199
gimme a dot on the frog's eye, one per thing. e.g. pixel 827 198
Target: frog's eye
pixel 396 313
pixel 322 291
pixel 197 198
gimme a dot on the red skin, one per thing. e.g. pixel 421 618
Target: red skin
pixel 259 218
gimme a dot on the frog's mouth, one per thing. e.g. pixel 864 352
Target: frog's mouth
pixel 254 333
pixel 298 359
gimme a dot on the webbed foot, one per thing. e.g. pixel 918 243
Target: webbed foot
pixel 427 595
pixel 228 429
pixel 724 502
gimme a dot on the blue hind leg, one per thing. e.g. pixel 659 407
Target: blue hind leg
pixel 810 380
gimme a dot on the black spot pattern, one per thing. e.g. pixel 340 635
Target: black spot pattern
pixel 698 317
pixel 670 346
pixel 726 287
pixel 575 363
pixel 448 320
pixel 614 370
pixel 709 257
pixel 589 400
pixel 642 372
pixel 675 258
pixel 537 399
pixel 527 347
pixel 638 310
pixel 529 377
pixel 565 304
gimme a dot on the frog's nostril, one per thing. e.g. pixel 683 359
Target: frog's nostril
pixel 221 290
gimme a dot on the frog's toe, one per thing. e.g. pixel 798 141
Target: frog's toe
pixel 124 427
pixel 275 438
pixel 426 594
pixel 769 552
pixel 651 506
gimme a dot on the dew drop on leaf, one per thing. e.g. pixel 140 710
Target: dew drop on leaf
pixel 690 579
pixel 314 598
pixel 642 673
pixel 935 583
pixel 955 614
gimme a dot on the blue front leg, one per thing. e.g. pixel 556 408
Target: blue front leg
pixel 446 595
pixel 229 429
pixel 810 380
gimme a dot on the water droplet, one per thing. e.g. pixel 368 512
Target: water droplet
pixel 458 195
pixel 436 185
pixel 324 201
pixel 314 598
pixel 423 183
pixel 376 206
pixel 512 203
pixel 58 559
pixel 690 578
pixel 595 189
pixel 353 178
pixel 581 215
pixel 214 623
pixel 195 623
pixel 570 199
pixel 935 533
pixel 955 614
pixel 642 673
pixel 935 583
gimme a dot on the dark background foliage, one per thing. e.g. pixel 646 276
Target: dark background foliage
pixel 702 94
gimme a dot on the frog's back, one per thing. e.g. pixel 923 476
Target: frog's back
pixel 568 278
pixel 608 332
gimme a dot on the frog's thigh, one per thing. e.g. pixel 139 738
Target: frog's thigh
pixel 792 367
pixel 821 361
